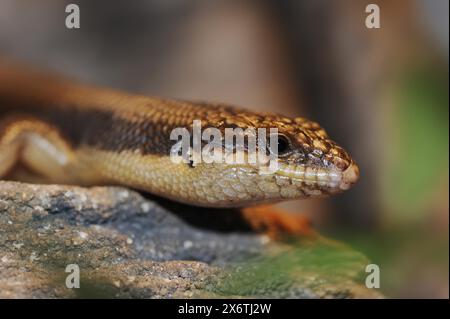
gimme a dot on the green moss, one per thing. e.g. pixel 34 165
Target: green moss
pixel 306 264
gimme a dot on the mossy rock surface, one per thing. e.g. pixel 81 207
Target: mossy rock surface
pixel 129 246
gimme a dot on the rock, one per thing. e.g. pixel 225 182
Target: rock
pixel 130 246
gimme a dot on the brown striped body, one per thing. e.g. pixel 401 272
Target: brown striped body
pixel 72 133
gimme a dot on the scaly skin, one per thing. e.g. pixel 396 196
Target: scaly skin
pixel 77 134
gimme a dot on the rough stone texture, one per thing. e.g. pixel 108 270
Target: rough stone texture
pixel 127 246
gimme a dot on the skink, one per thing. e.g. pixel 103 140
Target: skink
pixel 78 134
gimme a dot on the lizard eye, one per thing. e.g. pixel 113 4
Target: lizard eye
pixel 283 145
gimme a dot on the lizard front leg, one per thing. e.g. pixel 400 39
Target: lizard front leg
pixel 39 147
pixel 277 223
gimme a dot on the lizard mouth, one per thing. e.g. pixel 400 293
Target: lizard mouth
pixel 322 177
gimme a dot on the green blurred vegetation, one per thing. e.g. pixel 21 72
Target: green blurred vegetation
pixel 420 142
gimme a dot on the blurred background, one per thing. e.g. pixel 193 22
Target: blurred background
pixel 381 93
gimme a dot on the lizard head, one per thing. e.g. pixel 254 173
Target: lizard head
pixel 307 157
pixel 308 162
